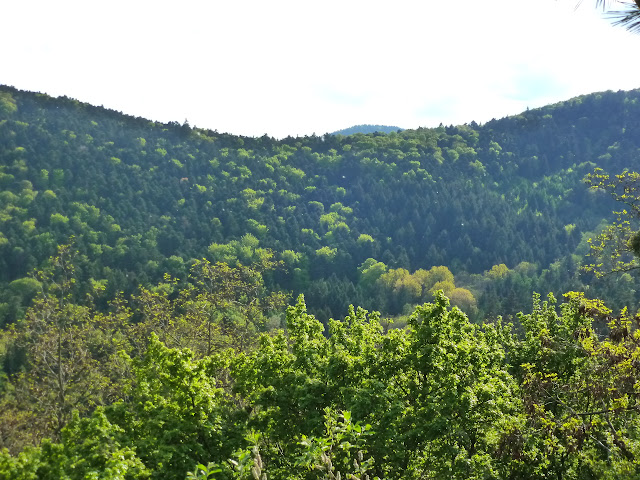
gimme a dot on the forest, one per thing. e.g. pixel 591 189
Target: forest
pixel 455 302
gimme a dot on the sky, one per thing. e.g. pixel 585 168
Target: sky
pixel 300 67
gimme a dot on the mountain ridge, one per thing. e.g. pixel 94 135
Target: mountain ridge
pixel 367 128
pixel 143 198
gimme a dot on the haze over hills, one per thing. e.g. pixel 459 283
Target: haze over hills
pixel 142 199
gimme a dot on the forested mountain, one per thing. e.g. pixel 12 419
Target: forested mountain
pixel 360 219
pixel 145 267
pixel 367 129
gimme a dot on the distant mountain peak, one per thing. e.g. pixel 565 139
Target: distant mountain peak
pixel 367 129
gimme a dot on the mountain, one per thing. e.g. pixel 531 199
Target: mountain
pixel 502 205
pixel 367 129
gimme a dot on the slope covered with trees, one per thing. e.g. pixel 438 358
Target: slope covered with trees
pixel 151 340
pixel 355 219
pixel 144 397
pixel 367 129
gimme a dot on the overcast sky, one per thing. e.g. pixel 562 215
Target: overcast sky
pixel 305 66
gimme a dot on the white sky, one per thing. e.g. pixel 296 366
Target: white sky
pixel 305 66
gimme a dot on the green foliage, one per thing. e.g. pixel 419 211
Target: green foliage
pixel 89 449
pixel 327 253
pixel 169 372
pixel 441 398
pixel 173 412
pixel 224 306
pixel 340 450
pixel 579 392
pixel 615 249
pixel 364 239
pixel 440 387
pixel 7 103
pixel 163 192
pixel 370 272
pixel 58 219
pixel 65 357
pixel 463 299
pixel 70 352
pixel 203 472
pixel 498 271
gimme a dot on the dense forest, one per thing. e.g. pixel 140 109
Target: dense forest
pixel 356 219
pixel 145 270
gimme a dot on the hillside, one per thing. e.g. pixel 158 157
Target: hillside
pixel 153 342
pixel 143 199
pixel 367 129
